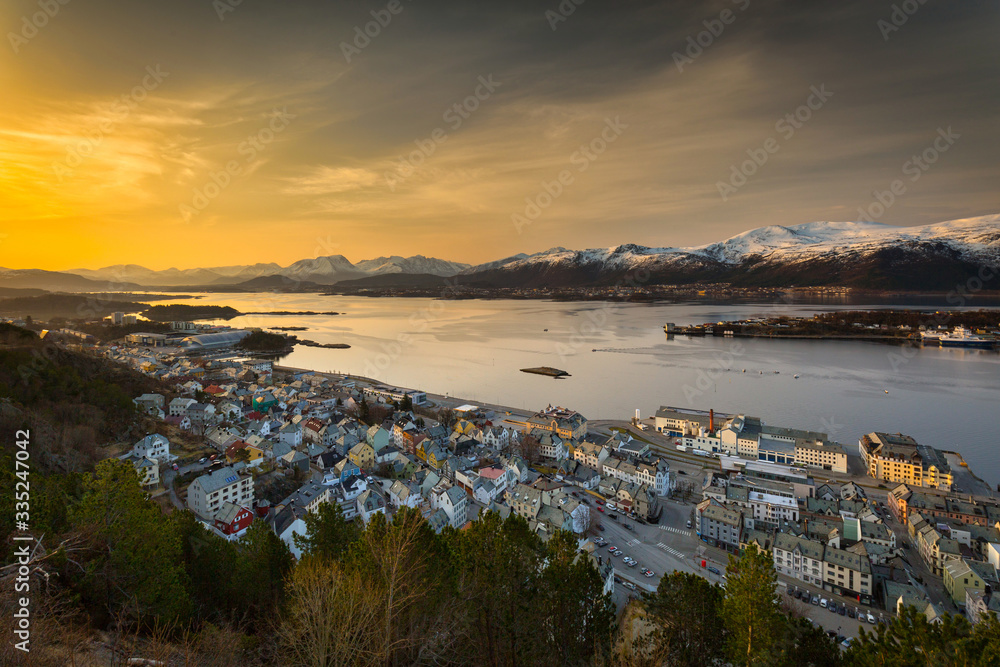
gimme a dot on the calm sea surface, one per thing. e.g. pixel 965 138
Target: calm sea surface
pixel 620 360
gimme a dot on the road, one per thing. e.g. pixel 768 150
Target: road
pixel 670 546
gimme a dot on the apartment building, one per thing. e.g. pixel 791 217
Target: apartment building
pixel 206 494
pixel 898 458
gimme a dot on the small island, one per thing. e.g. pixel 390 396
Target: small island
pixel 185 312
pixel 266 343
pixel 546 370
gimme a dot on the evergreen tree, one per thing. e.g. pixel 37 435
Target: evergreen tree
pixel 750 611
pixel 689 631
pixel 328 535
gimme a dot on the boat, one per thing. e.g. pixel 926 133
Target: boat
pixel 796 376
pixel 962 337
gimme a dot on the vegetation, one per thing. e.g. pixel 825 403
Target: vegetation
pixel 71 306
pixel 262 341
pixel 187 312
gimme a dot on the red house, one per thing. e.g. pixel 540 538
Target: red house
pixel 232 520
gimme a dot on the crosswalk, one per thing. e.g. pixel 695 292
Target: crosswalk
pixel 632 542
pixel 670 550
pixel 686 533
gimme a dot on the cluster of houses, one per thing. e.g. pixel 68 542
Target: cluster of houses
pixel 748 437
pixel 836 538
pixel 958 537
pixel 305 426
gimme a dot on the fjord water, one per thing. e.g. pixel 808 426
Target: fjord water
pixel 474 349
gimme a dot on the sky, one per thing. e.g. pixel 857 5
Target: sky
pixel 214 132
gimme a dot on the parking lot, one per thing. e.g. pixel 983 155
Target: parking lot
pixel 670 545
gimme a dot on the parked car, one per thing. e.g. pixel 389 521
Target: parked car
pixel 842 610
pixel 631 563
pixel 823 603
pixel 611 506
pixel 871 619
pixel 689 523
pixel 601 510
pixel 202 460
pixel 612 548
pixel 815 600
pixel 599 502
pixel 847 642
pixel 649 573
pixel 713 569
pixel 832 607
pixel 213 457
pixel 852 613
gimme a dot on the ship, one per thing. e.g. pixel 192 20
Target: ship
pixel 962 337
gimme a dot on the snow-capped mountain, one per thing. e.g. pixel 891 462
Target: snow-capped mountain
pixel 415 264
pixel 323 270
pixel 862 254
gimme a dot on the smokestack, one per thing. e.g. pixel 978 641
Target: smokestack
pixel 711 420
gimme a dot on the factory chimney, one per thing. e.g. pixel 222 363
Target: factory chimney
pixel 711 420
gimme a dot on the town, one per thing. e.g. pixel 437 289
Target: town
pixel 856 532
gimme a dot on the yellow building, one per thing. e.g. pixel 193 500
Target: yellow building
pixel 567 424
pixel 963 575
pixel 897 458
pixel 363 456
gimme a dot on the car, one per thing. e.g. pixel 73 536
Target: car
pixel 649 573
pixel 842 610
pixel 689 523
pixel 612 548
pixel 629 585
pixel 631 563
pixel 823 603
pixel 616 553
pixel 611 506
pixel 601 510
pixel 213 457
pixel 175 467
pixel 871 619
pixel 713 569
pixel 369 479
pixel 815 600
pixel 847 642
pixel 599 502
pixel 851 613
pixel 600 527
pixel 202 460
pixel 832 607
pixel 681 472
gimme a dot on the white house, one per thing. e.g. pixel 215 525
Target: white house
pixel 179 406
pixel 370 503
pixel 290 434
pixel 454 502
pixel 154 447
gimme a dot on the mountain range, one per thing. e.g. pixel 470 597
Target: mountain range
pixel 857 254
